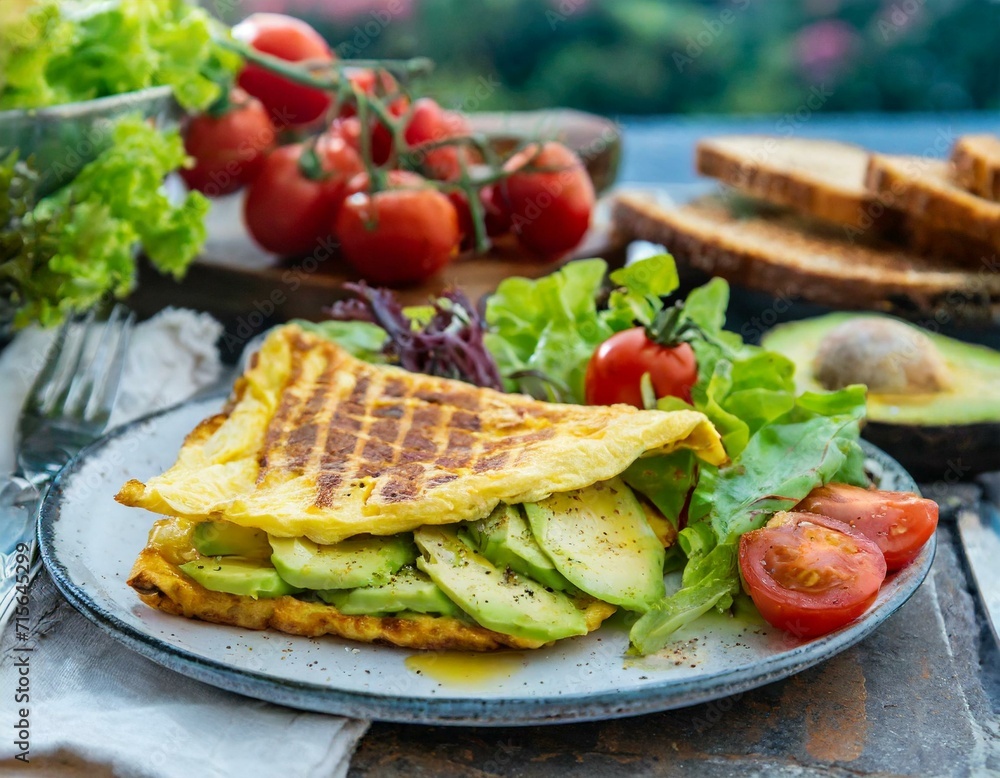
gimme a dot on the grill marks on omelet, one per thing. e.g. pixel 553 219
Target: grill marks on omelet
pixel 409 435
pixel 315 443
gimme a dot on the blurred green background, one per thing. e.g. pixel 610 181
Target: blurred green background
pixel 677 56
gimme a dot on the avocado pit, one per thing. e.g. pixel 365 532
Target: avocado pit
pixel 889 357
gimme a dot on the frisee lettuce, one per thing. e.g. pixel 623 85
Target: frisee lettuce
pixel 64 252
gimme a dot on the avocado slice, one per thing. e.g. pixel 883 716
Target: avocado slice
pixel 223 538
pixel 501 600
pixel 407 590
pixel 365 560
pixel 505 539
pixel 955 429
pixel 236 575
pixel 600 540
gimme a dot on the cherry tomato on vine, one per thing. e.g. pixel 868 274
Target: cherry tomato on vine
pixel 400 235
pixel 550 211
pixel 497 210
pixel 430 123
pixel 810 574
pixel 287 211
pixel 466 227
pixel 290 39
pixel 496 220
pixel 229 149
pixel 372 83
pixel 899 523
pixel 615 371
pixel 380 137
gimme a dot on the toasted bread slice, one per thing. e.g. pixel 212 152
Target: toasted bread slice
pixel 819 178
pixel 924 188
pixel 977 165
pixel 945 247
pixel 782 256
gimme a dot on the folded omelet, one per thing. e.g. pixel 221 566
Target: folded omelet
pixel 317 445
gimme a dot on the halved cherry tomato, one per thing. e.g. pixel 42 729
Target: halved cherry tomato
pixel 288 212
pixel 614 373
pixel 228 150
pixel 290 39
pixel 899 523
pixel 810 574
pixel 550 211
pixel 398 236
pixel 430 123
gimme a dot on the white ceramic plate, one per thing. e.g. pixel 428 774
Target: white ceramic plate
pixel 89 542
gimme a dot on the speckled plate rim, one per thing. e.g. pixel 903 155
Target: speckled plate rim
pixel 512 711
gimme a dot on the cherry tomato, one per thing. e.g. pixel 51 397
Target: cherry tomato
pixel 374 83
pixel 228 150
pixel 809 574
pixel 466 228
pixel 398 236
pixel 381 138
pixel 899 523
pixel 614 373
pixel 380 83
pixel 291 39
pixel 289 213
pixel 550 211
pixel 497 209
pixel 430 123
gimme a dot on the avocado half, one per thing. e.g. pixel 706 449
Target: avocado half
pixel 944 435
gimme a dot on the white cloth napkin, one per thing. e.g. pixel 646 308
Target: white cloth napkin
pixel 95 708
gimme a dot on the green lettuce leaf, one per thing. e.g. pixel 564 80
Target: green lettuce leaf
pixel 665 480
pixel 813 443
pixel 111 48
pixel 551 326
pixel 654 628
pixel 361 339
pixel 63 253
pixel 31 34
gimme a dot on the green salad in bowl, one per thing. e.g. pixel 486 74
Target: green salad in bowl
pixel 88 97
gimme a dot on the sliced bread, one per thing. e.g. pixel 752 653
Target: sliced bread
pixel 977 165
pixel 777 255
pixel 820 178
pixel 945 247
pixel 924 188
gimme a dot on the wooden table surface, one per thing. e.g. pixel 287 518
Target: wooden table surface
pixel 921 696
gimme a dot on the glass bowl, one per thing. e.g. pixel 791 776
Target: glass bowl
pixel 63 138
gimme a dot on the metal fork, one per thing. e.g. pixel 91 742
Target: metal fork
pixel 68 407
